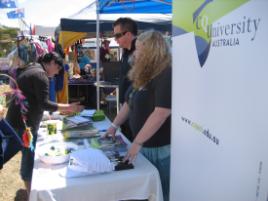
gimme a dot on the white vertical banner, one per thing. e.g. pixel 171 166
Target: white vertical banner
pixel 219 144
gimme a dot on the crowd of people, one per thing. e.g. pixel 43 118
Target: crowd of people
pixel 144 95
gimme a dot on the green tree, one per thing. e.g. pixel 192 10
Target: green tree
pixel 7 40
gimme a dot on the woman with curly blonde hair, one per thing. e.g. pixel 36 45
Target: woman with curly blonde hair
pixel 153 58
pixel 148 104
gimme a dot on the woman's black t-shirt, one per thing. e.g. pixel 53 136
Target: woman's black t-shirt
pixel 142 102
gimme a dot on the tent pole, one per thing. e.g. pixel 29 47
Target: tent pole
pixel 98 54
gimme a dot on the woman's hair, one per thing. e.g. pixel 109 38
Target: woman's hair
pixel 154 59
pixel 51 56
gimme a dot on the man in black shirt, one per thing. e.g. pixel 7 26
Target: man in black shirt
pixel 125 32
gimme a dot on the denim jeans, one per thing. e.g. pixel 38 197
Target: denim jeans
pixel 27 160
pixel 160 157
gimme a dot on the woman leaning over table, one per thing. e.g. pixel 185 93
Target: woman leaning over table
pixel 148 104
pixel 32 79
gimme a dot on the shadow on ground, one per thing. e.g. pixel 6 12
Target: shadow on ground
pixel 21 195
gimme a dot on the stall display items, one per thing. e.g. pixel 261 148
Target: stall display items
pixel 75 122
pixel 56 152
pixel 114 149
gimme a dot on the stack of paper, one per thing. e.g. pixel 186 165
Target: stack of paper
pixel 78 119
pixel 87 113
pixel 75 122
pixel 80 132
pixel 89 161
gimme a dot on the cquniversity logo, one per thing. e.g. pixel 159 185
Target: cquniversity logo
pixel 201 32
pixel 198 17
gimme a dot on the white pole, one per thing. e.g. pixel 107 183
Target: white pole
pixel 98 54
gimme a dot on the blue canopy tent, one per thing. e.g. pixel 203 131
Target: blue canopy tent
pixel 75 29
pixel 78 25
pixel 135 6
pixel 130 7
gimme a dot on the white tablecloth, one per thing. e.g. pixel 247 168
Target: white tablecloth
pixel 142 182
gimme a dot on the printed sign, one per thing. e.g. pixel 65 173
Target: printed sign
pixel 220 101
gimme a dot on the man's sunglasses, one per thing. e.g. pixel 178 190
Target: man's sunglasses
pixel 119 35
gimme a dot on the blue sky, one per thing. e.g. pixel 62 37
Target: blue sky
pixel 44 12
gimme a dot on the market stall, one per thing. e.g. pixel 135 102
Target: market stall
pixel 98 17
pixel 51 181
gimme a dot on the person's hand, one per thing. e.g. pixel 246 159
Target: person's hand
pixel 110 132
pixel 75 107
pixel 132 152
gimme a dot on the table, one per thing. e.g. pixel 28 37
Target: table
pixel 142 182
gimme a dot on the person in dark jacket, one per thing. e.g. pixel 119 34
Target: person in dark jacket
pixel 33 81
pixel 125 32
pixel 105 55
